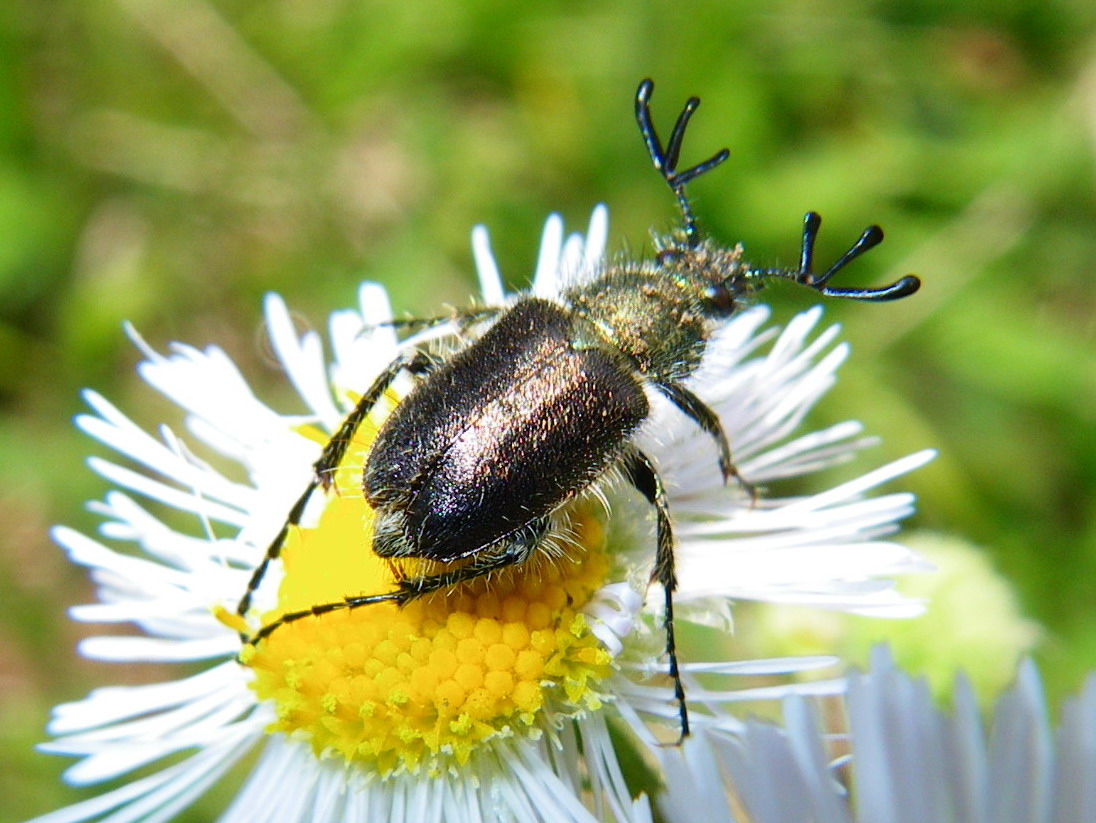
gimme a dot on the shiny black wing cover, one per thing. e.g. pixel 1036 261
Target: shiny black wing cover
pixel 503 432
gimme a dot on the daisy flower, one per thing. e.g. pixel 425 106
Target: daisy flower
pixel 906 760
pixel 492 700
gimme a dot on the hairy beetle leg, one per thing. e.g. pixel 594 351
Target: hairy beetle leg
pixel 417 363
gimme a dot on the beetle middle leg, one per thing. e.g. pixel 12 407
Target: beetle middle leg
pixel 462 317
pixel 417 363
pixel 701 413
pixel 642 474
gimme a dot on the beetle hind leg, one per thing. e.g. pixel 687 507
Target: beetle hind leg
pixel 642 474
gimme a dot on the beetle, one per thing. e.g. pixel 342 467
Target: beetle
pixel 474 463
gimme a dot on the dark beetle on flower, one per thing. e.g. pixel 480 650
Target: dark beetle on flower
pixel 474 464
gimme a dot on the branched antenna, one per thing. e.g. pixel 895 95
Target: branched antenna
pixel 871 237
pixel 665 158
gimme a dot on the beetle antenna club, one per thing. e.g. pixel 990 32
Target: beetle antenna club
pixel 472 467
pixel 739 280
pixel 665 159
pixel 871 237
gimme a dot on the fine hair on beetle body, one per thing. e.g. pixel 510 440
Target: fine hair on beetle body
pixel 542 403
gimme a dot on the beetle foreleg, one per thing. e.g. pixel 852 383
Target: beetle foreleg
pixel 516 550
pixel 333 454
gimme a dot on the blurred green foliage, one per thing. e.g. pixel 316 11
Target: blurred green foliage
pixel 169 161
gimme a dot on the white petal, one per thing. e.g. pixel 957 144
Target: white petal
pixel 130 522
pixel 597 238
pixel 185 501
pixel 114 429
pixel 612 613
pixel 112 704
pixel 546 276
pixel 303 359
pixel 362 345
pixel 207 385
pixel 151 650
pixel 490 280
pixel 116 750
pixel 602 764
pixel 278 786
pixel 1075 783
pixel 164 793
pixel 126 573
pixel 697 792
pixel 1020 753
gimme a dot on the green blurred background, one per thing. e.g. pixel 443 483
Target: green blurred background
pixel 170 161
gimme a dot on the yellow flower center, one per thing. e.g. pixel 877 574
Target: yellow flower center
pixel 419 687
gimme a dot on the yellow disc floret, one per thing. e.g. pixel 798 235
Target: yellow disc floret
pixel 419 687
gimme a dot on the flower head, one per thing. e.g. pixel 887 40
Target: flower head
pixel 903 759
pixel 486 700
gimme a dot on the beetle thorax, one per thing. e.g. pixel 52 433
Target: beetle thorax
pixel 657 313
pixel 702 265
